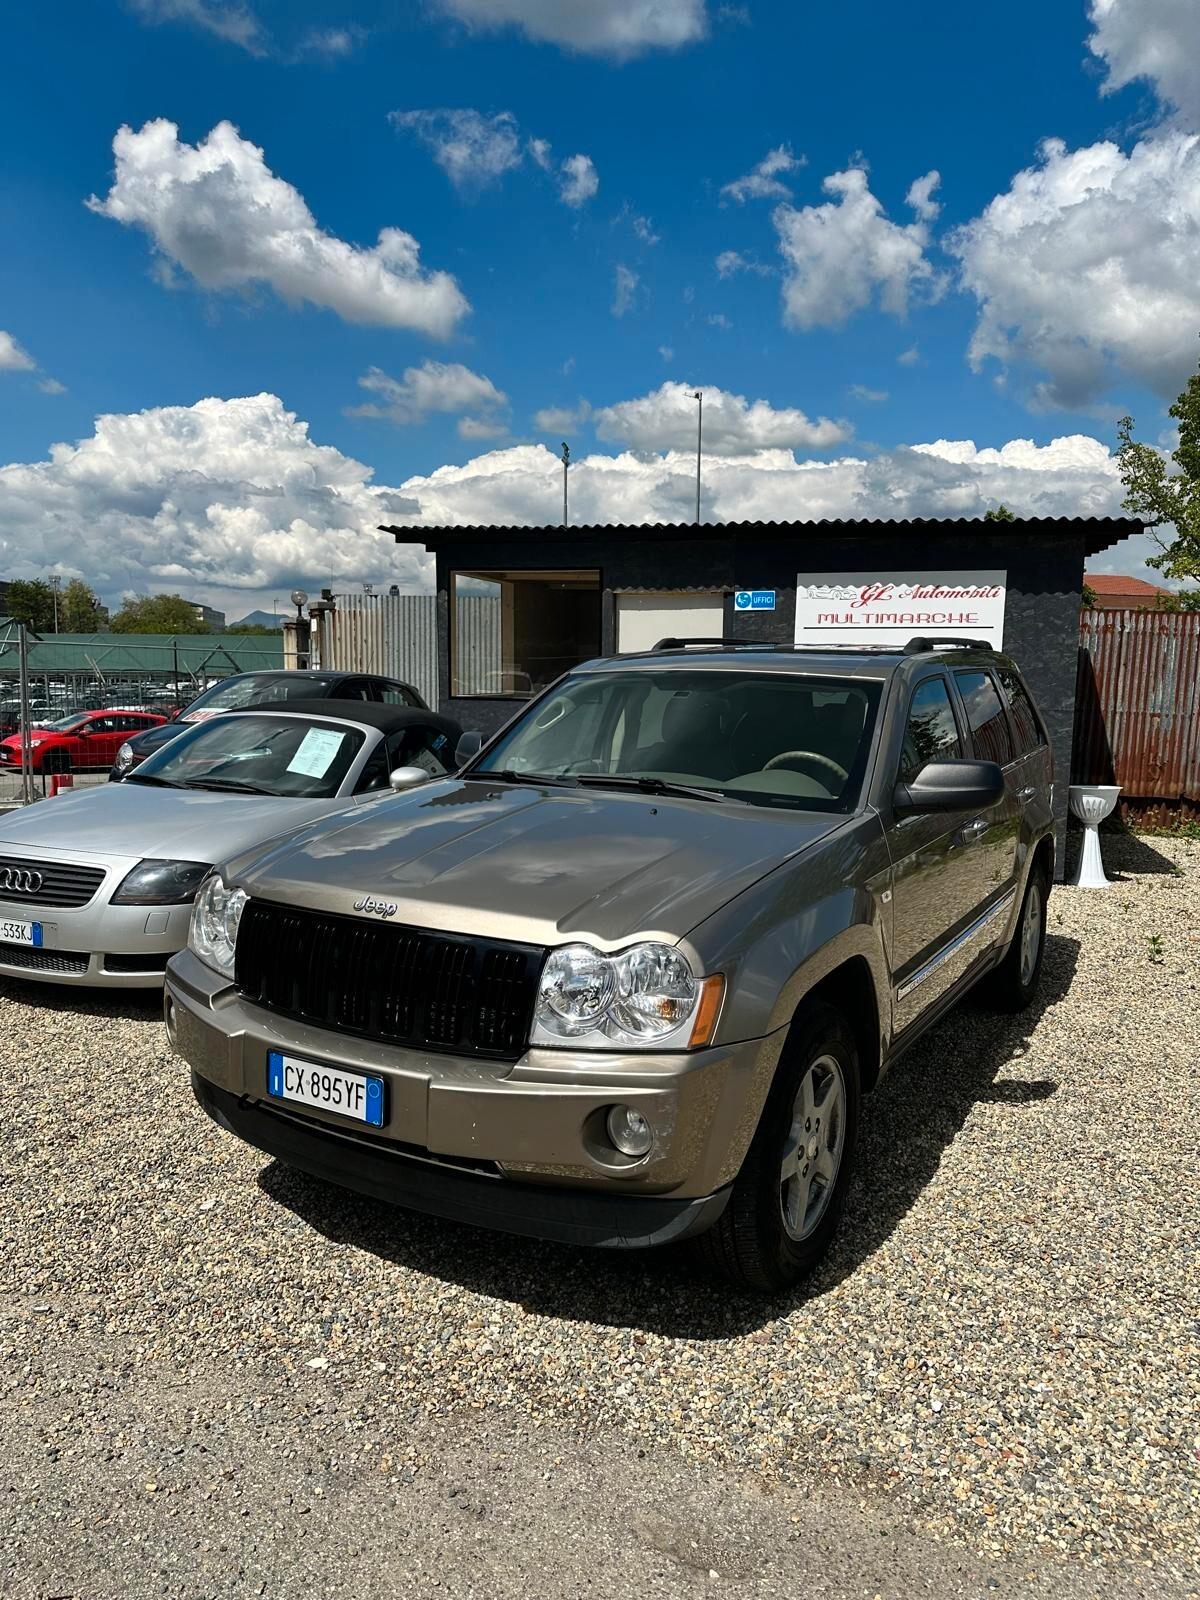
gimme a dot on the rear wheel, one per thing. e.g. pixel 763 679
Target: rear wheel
pixel 789 1196
pixel 1012 986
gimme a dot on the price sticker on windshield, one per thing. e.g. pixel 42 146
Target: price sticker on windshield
pixel 317 752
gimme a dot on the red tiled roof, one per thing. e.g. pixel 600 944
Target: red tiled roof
pixel 1118 584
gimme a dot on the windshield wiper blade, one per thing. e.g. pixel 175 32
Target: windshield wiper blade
pixel 509 775
pixel 616 780
pixel 230 784
pixel 149 777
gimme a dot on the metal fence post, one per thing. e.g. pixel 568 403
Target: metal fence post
pixel 26 746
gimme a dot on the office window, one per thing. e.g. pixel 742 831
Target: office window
pixel 512 633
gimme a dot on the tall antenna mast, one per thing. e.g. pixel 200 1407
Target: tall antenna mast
pixel 566 461
pixel 699 395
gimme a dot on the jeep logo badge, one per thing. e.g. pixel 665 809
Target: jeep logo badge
pixel 376 908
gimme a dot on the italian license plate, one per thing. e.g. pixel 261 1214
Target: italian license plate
pixel 310 1083
pixel 21 933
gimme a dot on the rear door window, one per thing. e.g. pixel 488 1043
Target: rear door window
pixel 931 732
pixel 986 716
pixel 1028 725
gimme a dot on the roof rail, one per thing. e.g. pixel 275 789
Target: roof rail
pixel 922 642
pixel 723 644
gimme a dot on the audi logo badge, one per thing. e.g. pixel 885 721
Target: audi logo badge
pixel 20 880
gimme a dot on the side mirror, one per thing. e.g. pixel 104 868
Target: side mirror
pixel 950 786
pixel 402 778
pixel 468 746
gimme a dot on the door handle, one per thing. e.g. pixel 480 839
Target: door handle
pixel 1027 793
pixel 973 831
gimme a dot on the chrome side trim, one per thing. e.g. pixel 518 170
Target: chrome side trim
pixel 956 944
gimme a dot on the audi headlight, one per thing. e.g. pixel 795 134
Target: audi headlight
pixel 216 914
pixel 162 883
pixel 124 758
pixel 645 996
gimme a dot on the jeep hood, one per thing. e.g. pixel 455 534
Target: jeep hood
pixel 538 865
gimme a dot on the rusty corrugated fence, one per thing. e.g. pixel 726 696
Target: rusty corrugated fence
pixel 1137 703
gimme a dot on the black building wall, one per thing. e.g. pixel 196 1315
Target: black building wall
pixel 1043 561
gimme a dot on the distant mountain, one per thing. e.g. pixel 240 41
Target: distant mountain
pixel 258 619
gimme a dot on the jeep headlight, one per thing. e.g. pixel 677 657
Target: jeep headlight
pixel 212 933
pixel 645 996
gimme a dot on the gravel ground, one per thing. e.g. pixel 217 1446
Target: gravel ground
pixel 995 1378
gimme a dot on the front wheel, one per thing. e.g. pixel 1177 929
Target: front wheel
pixel 1013 984
pixel 789 1196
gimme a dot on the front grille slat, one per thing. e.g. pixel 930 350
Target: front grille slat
pixel 395 984
pixel 67 884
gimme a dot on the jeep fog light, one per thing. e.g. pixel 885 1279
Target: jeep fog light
pixel 629 1131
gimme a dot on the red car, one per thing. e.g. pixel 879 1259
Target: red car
pixel 87 739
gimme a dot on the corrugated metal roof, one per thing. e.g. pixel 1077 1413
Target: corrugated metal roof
pixel 142 652
pixel 1097 532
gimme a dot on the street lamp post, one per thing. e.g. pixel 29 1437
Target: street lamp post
pixel 566 461
pixel 300 600
pixel 699 397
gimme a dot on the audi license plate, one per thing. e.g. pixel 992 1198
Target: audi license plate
pixel 21 933
pixel 310 1083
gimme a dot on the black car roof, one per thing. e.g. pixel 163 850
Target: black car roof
pixel 388 719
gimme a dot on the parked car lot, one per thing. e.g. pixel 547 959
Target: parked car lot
pixel 244 1376
pixel 85 740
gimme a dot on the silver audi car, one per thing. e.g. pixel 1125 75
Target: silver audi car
pixel 96 886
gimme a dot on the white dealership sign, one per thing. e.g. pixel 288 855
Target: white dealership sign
pixel 890 607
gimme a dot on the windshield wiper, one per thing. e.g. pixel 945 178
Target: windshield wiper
pixel 509 775
pixel 148 777
pixel 231 784
pixel 616 780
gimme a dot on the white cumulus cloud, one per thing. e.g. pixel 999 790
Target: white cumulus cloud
pixel 665 420
pixel 217 210
pixel 579 181
pixel 920 196
pixel 1157 41
pixel 842 255
pixel 475 151
pixel 228 493
pixel 1088 263
pixel 12 357
pixel 471 149
pixel 434 386
pixel 233 496
pixel 764 181
pixel 617 28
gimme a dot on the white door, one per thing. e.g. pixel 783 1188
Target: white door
pixel 644 619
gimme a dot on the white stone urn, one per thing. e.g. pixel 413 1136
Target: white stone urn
pixel 1091 803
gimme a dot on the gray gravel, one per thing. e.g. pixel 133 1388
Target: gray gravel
pixel 219 1374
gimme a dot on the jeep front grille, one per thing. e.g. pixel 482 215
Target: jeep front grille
pixel 399 985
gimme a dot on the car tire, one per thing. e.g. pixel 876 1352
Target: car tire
pixel 789 1196
pixel 1013 984
pixel 57 761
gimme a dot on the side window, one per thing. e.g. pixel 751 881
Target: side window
pixel 986 717
pixel 1030 734
pixel 395 694
pixel 102 725
pixel 374 775
pixel 354 689
pixel 422 746
pixel 931 732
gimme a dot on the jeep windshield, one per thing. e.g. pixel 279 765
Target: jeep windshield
pixel 771 739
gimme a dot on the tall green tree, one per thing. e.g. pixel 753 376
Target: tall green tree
pixel 78 608
pixel 999 513
pixel 1166 500
pixel 32 602
pixel 157 613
